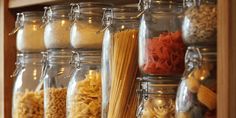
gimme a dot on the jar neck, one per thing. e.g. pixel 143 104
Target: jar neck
pixel 161 5
pixel 87 57
pixel 29 58
pixel 197 56
pixel 58 56
pixel 191 3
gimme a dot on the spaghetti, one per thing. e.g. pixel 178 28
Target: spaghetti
pixel 124 67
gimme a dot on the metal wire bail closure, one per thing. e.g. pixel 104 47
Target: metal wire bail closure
pixel 74 11
pixel 193 58
pixel 19 23
pixel 47 16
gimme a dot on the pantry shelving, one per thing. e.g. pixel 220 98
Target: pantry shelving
pixel 226 51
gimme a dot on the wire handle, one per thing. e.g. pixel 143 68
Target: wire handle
pixel 18 24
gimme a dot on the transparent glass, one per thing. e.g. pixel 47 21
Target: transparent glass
pixel 29 36
pixel 27 100
pixel 161 49
pixel 84 95
pixel 157 99
pixel 196 97
pixel 85 30
pixel 57 27
pixel 119 62
pixel 200 23
pixel 56 75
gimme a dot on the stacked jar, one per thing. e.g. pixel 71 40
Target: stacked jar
pixel 84 95
pixel 119 62
pixel 27 96
pixel 157 97
pixel 57 69
pixel 161 56
pixel 197 91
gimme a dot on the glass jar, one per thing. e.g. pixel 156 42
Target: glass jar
pixel 84 95
pixel 200 22
pixel 57 27
pixel 157 97
pixel 161 49
pixel 27 99
pixel 119 62
pixel 29 36
pixel 196 97
pixel 56 75
pixel 85 30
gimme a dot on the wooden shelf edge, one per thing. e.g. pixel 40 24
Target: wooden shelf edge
pixel 25 3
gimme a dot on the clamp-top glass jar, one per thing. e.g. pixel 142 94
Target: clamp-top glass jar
pixel 157 97
pixel 87 23
pixel 119 62
pixel 27 99
pixel 161 49
pixel 29 34
pixel 196 97
pixel 200 23
pixel 84 95
pixel 56 74
pixel 57 26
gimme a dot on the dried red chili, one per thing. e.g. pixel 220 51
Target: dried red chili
pixel 165 54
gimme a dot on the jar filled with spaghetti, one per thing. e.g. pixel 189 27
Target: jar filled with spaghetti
pixel 29 36
pixel 86 25
pixel 84 94
pixel 57 71
pixel 200 22
pixel 157 97
pixel 57 26
pixel 27 99
pixel 196 97
pixel 119 62
pixel 161 49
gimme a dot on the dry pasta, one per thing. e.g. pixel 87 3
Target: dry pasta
pixel 122 102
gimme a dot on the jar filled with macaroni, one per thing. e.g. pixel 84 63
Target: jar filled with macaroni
pixel 157 97
pixel 161 48
pixel 86 26
pixel 119 62
pixel 196 97
pixel 200 23
pixel 57 26
pixel 27 100
pixel 84 95
pixel 29 35
pixel 57 71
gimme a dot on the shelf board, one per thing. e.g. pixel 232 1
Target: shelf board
pixel 25 3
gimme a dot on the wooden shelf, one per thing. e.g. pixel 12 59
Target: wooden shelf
pixel 25 3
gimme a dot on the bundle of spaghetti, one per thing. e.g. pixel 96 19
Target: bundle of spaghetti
pixel 124 66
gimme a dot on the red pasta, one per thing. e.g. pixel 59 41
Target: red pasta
pixel 165 54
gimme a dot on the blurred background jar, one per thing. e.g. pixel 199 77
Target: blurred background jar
pixel 56 75
pixel 87 23
pixel 157 97
pixel 29 36
pixel 161 49
pixel 57 26
pixel 84 95
pixel 27 99
pixel 196 97
pixel 200 22
pixel 119 62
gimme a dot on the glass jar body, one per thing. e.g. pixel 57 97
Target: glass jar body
pixel 157 99
pixel 119 63
pixel 84 95
pixel 57 29
pixel 27 101
pixel 86 29
pixel 196 97
pixel 200 23
pixel 161 49
pixel 29 37
pixel 56 77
